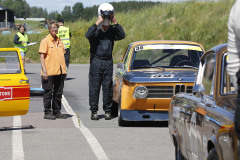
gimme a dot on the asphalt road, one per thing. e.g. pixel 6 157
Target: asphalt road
pixel 31 137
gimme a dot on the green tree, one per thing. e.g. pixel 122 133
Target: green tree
pixel 53 15
pixel 67 13
pixel 59 16
pixel 77 10
pixel 18 7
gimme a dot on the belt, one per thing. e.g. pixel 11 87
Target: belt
pixel 102 57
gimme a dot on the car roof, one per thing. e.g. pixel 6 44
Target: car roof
pixel 219 49
pixel 9 49
pixel 166 42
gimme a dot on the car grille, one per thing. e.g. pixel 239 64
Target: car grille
pixel 167 91
pixel 160 91
pixel 179 88
pixel 189 89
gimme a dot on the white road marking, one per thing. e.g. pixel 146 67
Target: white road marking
pixel 92 141
pixel 17 144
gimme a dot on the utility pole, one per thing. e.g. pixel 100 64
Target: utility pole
pixel 6 18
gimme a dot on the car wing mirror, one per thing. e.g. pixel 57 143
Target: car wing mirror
pixel 120 66
pixel 120 69
pixel 208 102
pixel 199 90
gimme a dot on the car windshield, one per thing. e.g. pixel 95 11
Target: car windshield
pixel 166 56
pixel 9 62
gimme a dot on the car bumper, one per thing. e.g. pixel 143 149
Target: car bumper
pixel 143 115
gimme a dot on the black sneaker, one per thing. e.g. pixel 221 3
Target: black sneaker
pixel 94 116
pixel 49 116
pixel 108 116
pixel 59 115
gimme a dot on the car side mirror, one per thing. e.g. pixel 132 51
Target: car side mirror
pixel 199 90
pixel 120 69
pixel 120 66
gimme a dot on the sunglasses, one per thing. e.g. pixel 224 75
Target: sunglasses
pixel 54 28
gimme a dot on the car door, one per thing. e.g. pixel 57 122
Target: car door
pixel 194 116
pixel 182 112
pixel 195 142
pixel 14 85
pixel 226 99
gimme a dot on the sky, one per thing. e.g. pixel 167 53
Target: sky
pixel 58 5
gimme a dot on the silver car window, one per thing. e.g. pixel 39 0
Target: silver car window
pixel 9 62
pixel 208 74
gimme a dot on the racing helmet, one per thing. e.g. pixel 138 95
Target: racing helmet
pixel 105 10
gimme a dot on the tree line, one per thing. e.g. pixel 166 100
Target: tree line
pixel 22 9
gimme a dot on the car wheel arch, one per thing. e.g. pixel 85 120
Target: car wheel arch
pixel 174 137
pixel 210 146
pixel 178 152
pixel 213 143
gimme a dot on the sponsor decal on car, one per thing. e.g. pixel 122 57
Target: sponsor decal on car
pixel 162 76
pixel 5 93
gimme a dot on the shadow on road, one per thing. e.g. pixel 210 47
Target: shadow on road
pixel 68 115
pixel 29 73
pixel 147 124
pixel 144 123
pixel 67 79
pixel 11 128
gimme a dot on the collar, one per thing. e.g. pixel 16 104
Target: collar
pixel 51 38
pixel 21 33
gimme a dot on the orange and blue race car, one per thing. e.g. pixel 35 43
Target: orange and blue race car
pixel 151 73
pixel 14 85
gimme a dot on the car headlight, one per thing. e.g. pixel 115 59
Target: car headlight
pixel 140 92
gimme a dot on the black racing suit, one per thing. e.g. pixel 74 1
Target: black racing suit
pixel 101 64
pixel 237 116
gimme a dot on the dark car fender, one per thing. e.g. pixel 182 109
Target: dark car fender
pixel 175 138
pixel 213 143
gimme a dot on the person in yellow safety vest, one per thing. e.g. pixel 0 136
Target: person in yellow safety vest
pixel 21 42
pixel 64 34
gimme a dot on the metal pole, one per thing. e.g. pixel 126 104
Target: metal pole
pixel 6 18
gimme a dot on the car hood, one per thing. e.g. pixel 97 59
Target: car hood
pixel 160 76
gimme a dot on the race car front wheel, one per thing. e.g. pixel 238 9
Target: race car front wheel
pixel 178 153
pixel 212 155
pixel 114 109
pixel 121 122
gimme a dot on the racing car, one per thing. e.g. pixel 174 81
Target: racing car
pixel 151 73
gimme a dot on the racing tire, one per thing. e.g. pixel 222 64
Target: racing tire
pixel 114 109
pixel 212 155
pixel 178 153
pixel 36 92
pixel 121 122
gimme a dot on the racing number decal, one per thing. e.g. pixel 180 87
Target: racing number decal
pixel 5 93
pixel 138 48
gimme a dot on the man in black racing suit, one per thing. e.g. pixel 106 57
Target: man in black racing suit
pixel 101 37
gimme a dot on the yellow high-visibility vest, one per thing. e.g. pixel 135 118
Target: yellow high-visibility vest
pixel 22 47
pixel 63 34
